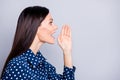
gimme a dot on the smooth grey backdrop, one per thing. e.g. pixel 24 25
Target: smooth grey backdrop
pixel 95 31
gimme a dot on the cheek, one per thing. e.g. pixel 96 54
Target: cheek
pixel 43 34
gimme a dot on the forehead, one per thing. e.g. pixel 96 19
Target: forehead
pixel 48 17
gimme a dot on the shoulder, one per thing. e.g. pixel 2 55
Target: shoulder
pixel 14 68
pixel 17 61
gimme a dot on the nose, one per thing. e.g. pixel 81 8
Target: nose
pixel 55 27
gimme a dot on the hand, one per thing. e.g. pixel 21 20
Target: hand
pixel 64 39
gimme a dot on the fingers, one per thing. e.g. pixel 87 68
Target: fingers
pixel 69 31
pixel 60 38
pixel 66 31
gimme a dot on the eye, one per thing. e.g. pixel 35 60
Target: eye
pixel 51 23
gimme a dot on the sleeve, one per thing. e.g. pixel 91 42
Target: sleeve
pixel 68 73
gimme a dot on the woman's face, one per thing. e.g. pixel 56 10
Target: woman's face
pixel 46 30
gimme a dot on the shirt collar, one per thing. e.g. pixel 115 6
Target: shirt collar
pixel 33 59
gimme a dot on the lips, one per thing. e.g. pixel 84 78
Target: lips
pixel 52 34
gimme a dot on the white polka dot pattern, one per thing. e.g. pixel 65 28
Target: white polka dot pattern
pixel 34 67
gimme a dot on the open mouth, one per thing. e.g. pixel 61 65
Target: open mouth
pixel 52 35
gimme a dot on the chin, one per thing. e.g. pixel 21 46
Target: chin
pixel 50 41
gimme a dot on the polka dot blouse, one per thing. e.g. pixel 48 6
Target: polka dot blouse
pixel 28 66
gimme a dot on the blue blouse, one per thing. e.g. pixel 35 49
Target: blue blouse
pixel 28 66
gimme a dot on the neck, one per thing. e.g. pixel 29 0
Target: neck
pixel 36 44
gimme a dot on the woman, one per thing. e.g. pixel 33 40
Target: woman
pixel 25 62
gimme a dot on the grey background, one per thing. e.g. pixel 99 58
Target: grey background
pixel 95 31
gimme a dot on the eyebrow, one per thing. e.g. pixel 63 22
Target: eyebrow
pixel 51 19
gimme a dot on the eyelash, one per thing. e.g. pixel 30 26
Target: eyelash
pixel 51 22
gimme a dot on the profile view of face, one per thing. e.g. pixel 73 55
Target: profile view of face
pixel 46 30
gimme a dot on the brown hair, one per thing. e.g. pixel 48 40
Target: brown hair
pixel 27 25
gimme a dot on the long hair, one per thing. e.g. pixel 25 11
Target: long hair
pixel 28 22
